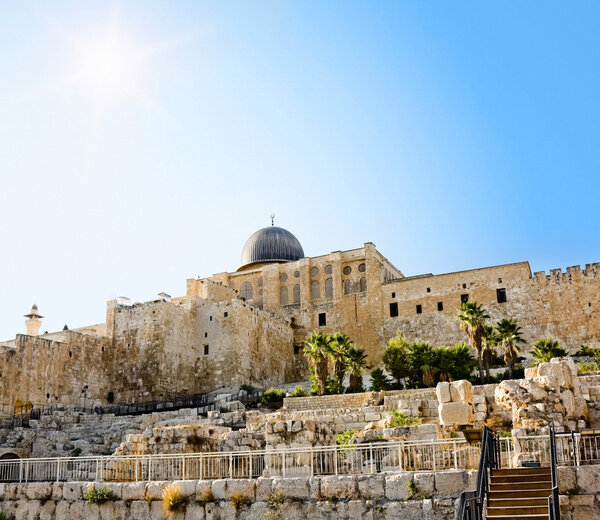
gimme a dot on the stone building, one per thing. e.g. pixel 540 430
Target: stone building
pixel 248 326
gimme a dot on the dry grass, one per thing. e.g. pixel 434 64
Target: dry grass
pixel 173 498
pixel 207 497
pixel 238 500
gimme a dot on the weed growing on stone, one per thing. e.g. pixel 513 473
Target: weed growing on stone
pixel 173 498
pixel 7 516
pixel 399 419
pixel 238 500
pixel 275 500
pixel 206 498
pixel 415 491
pixel 97 495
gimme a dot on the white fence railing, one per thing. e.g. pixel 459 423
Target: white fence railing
pixel 397 456
pixel 320 460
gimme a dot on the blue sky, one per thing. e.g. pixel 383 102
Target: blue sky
pixel 453 135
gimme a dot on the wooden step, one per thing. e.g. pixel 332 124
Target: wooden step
pixel 510 501
pixel 516 511
pixel 520 471
pixel 528 477
pixel 534 485
pixel 520 493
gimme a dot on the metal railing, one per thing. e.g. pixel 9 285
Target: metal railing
pixel 472 503
pixel 553 499
pixel 352 459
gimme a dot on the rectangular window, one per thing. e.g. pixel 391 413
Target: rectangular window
pixel 393 309
pixel 206 350
pixel 440 306
pixel 225 314
pixel 464 298
pixel 501 295
pixel 296 350
pixel 464 285
pixel 210 318
pixel 322 319
pixel 419 309
pixel 499 280
pixel 393 295
pixel 206 334
pixel 428 289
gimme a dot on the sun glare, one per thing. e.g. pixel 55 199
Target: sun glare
pixel 108 69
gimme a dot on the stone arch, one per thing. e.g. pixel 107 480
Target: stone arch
pixel 296 293
pixel 329 288
pixel 283 296
pixel 315 290
pixel 363 284
pixel 246 291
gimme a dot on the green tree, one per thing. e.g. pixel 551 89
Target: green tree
pixel 395 359
pixel 422 365
pixel 509 336
pixel 356 362
pixel 544 349
pixel 489 341
pixel 455 362
pixel 472 317
pixel 338 347
pixel 379 381
pixel 316 349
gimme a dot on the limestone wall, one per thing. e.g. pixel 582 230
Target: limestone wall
pixel 325 402
pixel 375 497
pixel 579 488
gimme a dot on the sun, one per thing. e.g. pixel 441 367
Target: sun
pixel 109 69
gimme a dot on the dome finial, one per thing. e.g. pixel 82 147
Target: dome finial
pixel 272 219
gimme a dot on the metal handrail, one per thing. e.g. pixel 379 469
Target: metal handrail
pixel 553 499
pixel 472 503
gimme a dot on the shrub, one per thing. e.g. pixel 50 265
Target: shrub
pixel 585 367
pixel 345 437
pixel 585 350
pixel 415 491
pixel 379 381
pixel 97 495
pixel 248 388
pixel 399 419
pixel 272 397
pixel 275 500
pixel 173 498
pixel 299 392
pixel 7 516
pixel 544 349
pixel 75 452
pixel 206 498
pixel 238 500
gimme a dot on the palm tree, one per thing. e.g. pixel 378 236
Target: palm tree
pixel 379 381
pixel 544 349
pixel 395 359
pixel 317 350
pixel 339 345
pixel 356 363
pixel 489 342
pixel 472 318
pixel 509 335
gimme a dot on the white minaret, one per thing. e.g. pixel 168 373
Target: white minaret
pixel 33 321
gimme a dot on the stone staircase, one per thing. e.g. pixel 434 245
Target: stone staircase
pixel 520 493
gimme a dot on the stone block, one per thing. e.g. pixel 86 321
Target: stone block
pixel 154 490
pixel 479 399
pixel 48 510
pixel 442 391
pixel 461 391
pixel 193 512
pixel 157 512
pixel 72 491
pixel 339 486
pixel 588 478
pixel 57 491
pixel 567 480
pixel 396 486
pixel 371 486
pixel 450 482
pixel 218 489
pixel 243 487
pixel 531 372
pixel 187 487
pixel 133 491
pixel 296 488
pixel 425 482
pixel 459 413
pixel 39 491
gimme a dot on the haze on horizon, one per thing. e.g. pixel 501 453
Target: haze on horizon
pixel 143 142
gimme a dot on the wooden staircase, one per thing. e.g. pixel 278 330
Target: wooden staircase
pixel 520 493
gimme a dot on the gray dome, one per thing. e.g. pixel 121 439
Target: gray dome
pixel 271 244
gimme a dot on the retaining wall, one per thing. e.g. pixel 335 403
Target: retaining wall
pixel 371 497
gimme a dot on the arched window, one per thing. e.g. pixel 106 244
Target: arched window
pixel 283 296
pixel 260 281
pixel 328 269
pixel 315 291
pixel 246 291
pixel 363 284
pixel 314 272
pixel 296 293
pixel 347 286
pixel 329 288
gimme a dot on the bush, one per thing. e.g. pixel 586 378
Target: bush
pixel 585 350
pixel 379 381
pixel 399 419
pixel 299 392
pixel 96 496
pixel 248 388
pixel 238 500
pixel 272 397
pixel 7 516
pixel 544 349
pixel 173 498
pixel 585 368
pixel 345 437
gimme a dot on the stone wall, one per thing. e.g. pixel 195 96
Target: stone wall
pixel 579 488
pixel 335 402
pixel 375 497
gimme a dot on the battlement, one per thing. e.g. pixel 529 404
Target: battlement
pixel 572 272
